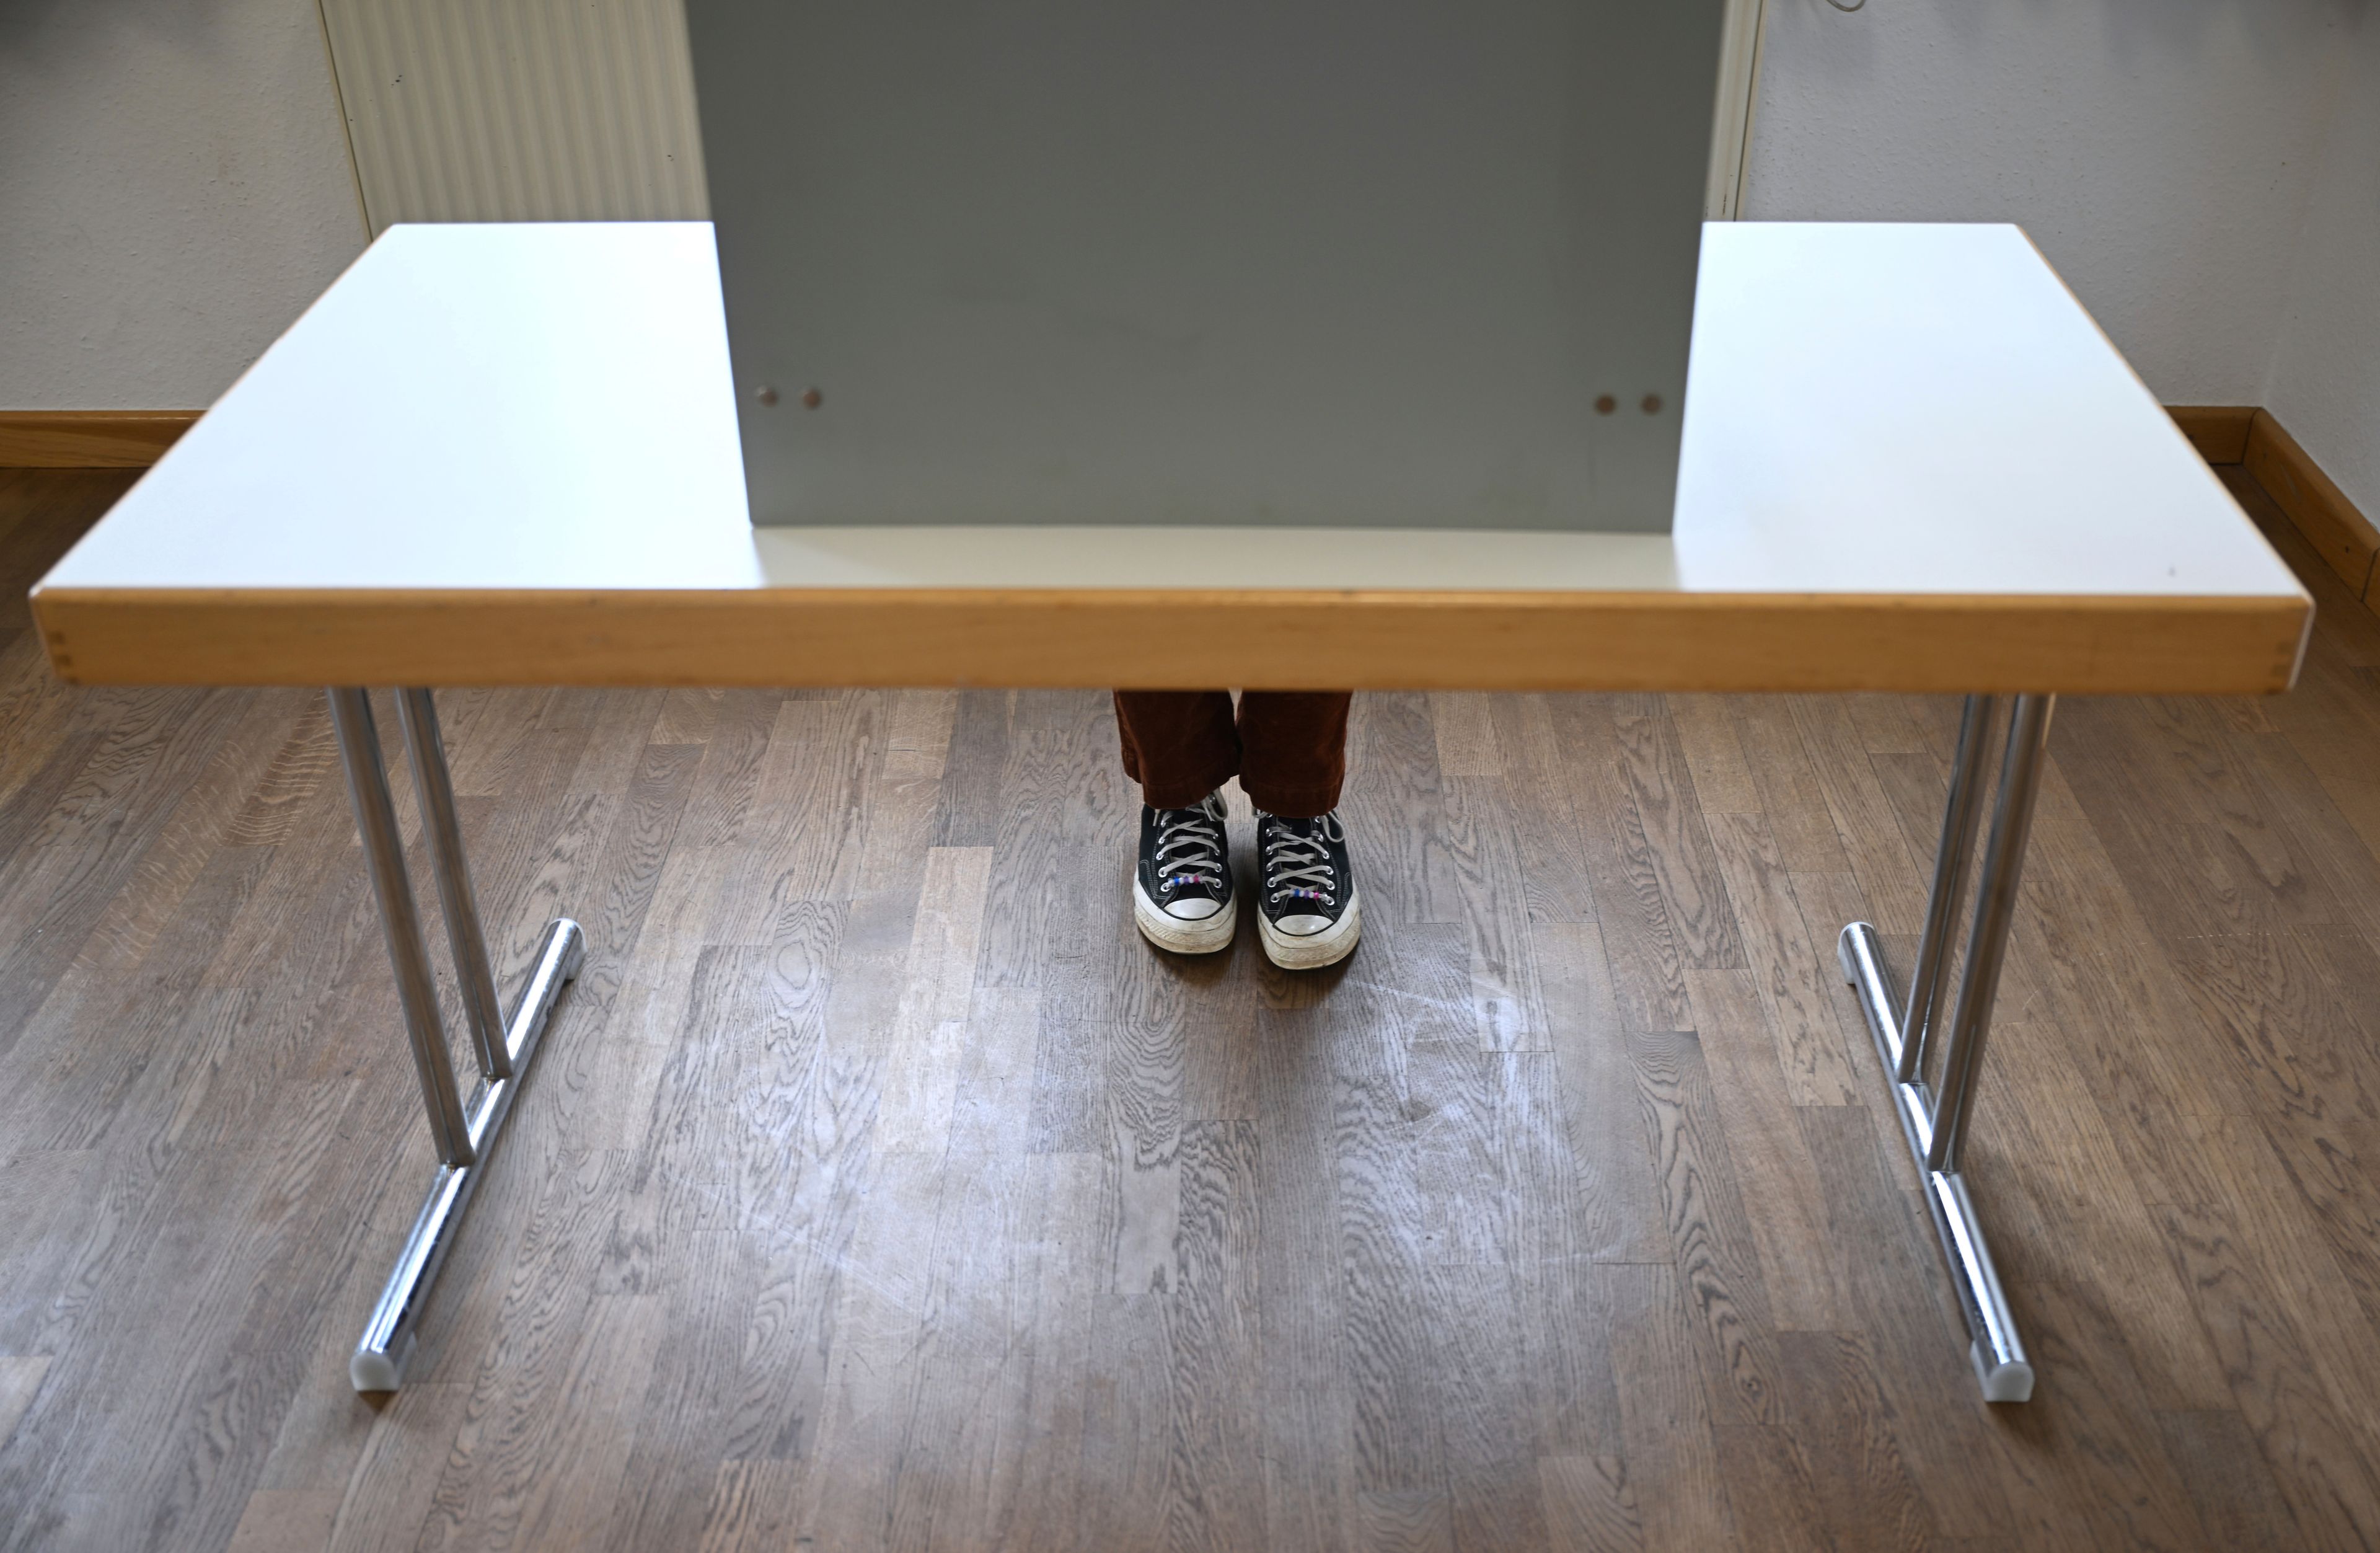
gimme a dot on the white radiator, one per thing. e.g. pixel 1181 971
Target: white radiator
pixel 518 110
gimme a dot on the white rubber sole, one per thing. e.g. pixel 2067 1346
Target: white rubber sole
pixel 1315 950
pixel 1204 936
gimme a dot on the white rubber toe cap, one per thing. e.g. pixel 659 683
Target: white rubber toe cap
pixel 1204 933
pixel 1328 944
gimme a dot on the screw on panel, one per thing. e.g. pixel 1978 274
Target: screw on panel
pixel 767 395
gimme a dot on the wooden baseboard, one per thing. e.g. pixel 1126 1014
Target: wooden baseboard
pixel 2344 537
pixel 89 438
pixel 2219 431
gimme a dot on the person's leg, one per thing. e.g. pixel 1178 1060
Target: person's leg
pixel 1294 751
pixel 1292 763
pixel 1181 746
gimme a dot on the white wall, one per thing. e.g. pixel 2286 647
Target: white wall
pixel 2326 375
pixel 2161 153
pixel 175 188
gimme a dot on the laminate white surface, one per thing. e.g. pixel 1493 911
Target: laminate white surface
pixel 1873 409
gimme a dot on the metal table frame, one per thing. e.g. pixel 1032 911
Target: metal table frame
pixel 1933 1110
pixel 505 1048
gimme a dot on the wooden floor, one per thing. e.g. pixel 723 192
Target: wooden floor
pixel 879 1188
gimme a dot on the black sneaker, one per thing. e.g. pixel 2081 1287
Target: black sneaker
pixel 1307 912
pixel 1182 892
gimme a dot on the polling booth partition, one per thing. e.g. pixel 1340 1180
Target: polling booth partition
pixel 510 456
pixel 1344 262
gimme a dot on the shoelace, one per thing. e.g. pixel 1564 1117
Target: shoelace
pixel 1189 848
pixel 1298 864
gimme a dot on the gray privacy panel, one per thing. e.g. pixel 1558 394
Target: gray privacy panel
pixel 1246 262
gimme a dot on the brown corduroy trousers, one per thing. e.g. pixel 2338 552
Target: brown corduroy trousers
pixel 1288 748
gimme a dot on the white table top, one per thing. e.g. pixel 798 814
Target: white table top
pixel 1872 409
pixel 1876 413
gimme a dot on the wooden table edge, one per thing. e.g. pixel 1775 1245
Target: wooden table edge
pixel 1162 638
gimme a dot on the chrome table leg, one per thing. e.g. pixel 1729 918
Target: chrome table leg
pixel 1935 1122
pixel 1959 813
pixel 433 790
pixel 464 1134
pixel 417 988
